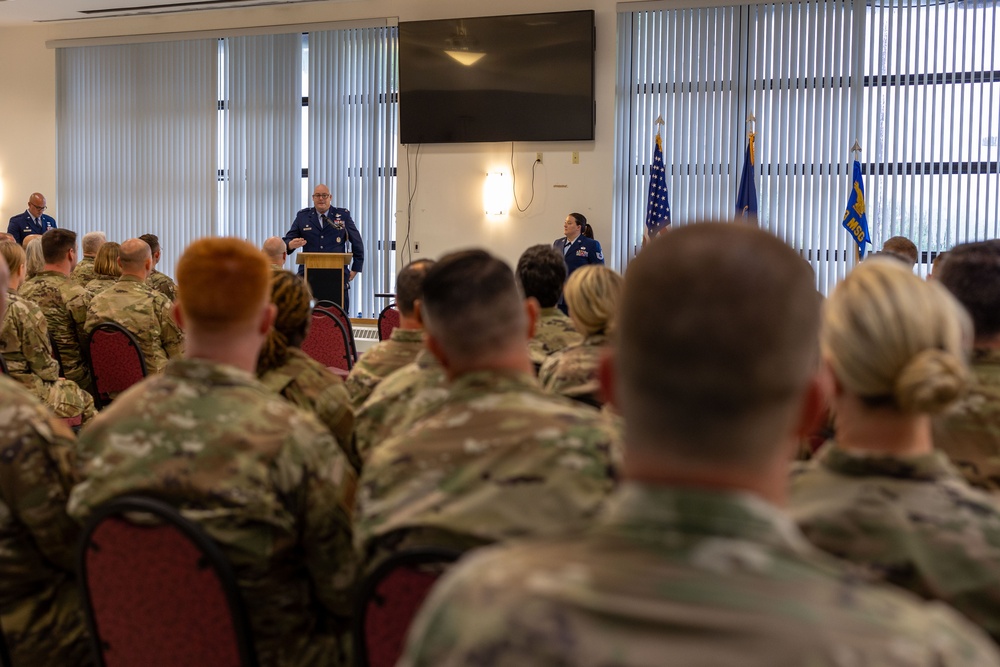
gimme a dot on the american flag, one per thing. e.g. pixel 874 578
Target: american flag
pixel 658 201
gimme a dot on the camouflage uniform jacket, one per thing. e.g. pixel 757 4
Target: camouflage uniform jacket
pixel 381 360
pixel 39 600
pixel 311 386
pixel 99 284
pixel 266 480
pixel 84 271
pixel 397 401
pixel 969 432
pixel 163 284
pixel 497 460
pixel 145 313
pixel 572 371
pixel 56 296
pixel 24 342
pixel 913 520
pixel 553 332
pixel 681 577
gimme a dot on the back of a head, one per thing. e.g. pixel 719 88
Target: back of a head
pixel 717 340
pixel 472 306
pixel 106 262
pixel 293 299
pixel 222 283
pixel 894 340
pixel 274 248
pixel 35 257
pixel 92 242
pixel 592 296
pixel 541 271
pixel 902 247
pixel 56 243
pixel 972 274
pixel 13 255
pixel 153 241
pixel 410 284
pixel 133 255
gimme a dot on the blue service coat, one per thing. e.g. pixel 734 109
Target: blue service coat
pixel 22 225
pixel 582 251
pixel 333 238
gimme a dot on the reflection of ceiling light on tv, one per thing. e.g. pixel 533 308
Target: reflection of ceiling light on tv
pixel 460 47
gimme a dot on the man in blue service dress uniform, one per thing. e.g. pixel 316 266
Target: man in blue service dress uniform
pixel 32 221
pixel 326 229
pixel 576 248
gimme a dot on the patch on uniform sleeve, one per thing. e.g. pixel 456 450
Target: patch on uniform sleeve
pixel 600 256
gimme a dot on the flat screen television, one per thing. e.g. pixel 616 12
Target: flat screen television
pixel 528 77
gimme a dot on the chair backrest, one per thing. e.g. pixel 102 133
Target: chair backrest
pixel 389 599
pixel 388 320
pixel 327 341
pixel 159 592
pixel 3 365
pixel 344 319
pixel 116 362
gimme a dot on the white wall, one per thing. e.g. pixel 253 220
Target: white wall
pixel 447 210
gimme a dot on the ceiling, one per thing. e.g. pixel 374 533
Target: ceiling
pixel 20 12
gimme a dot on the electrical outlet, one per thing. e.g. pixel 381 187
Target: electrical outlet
pixel 576 157
pixel 538 157
pixel 416 246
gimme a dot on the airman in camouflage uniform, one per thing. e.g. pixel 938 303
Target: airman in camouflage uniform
pixel 381 360
pixel 56 296
pixel 25 345
pixel 572 371
pixel 99 284
pixel 163 284
pixel 84 272
pixel 553 332
pixel 266 480
pixel 145 313
pixel 913 520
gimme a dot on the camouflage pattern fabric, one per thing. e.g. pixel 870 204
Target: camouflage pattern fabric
pixel 382 359
pixel 145 313
pixel 163 284
pixel 572 371
pixel 397 401
pixel 553 332
pixel 99 284
pixel 311 386
pixel 913 520
pixel 498 459
pixel 681 577
pixel 969 432
pixel 84 272
pixel 24 343
pixel 40 604
pixel 57 297
pixel 267 482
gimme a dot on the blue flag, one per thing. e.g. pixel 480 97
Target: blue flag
pixel 658 201
pixel 855 218
pixel 746 198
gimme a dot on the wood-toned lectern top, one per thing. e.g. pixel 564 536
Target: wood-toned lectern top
pixel 324 260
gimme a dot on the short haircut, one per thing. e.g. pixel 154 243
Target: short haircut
pixel 580 218
pixel 13 254
pixel 541 270
pixel 91 242
pixel 36 261
pixel 592 296
pixel 972 273
pixel 4 236
pixel 410 284
pixel 293 299
pixel 472 306
pixel 106 262
pixel 133 254
pixel 902 247
pixel 56 243
pixel 152 241
pixel 717 340
pixel 222 283
pixel 895 340
pixel 274 248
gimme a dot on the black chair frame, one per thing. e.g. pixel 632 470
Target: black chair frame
pixel 212 557
pixel 115 327
pixel 381 316
pixel 369 585
pixel 3 365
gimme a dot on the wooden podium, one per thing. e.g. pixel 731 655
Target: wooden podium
pixel 325 274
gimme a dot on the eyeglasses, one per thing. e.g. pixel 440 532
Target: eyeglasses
pixel 321 196
pixel 40 208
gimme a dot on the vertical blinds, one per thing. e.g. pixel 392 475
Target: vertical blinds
pixel 817 76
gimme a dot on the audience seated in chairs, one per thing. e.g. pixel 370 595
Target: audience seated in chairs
pixel 106 269
pixel 285 369
pixel 541 272
pixel 267 482
pixel 592 294
pixel 116 361
pixel 404 344
pixel 90 244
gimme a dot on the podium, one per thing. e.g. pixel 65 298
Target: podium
pixel 325 274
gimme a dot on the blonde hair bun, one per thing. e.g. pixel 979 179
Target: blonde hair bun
pixel 931 381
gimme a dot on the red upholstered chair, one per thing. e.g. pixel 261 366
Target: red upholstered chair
pixel 344 319
pixel 327 342
pixel 116 362
pixel 389 599
pixel 388 320
pixel 159 592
